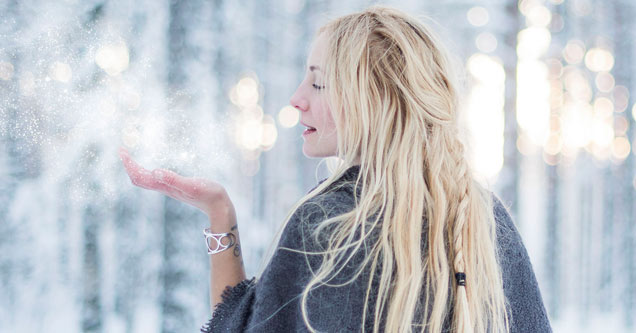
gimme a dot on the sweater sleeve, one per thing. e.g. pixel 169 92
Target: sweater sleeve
pixel 232 314
pixel 527 311
pixel 266 305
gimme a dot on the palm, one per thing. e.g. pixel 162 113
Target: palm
pixel 198 192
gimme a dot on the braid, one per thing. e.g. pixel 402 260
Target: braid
pixel 436 177
pixel 462 315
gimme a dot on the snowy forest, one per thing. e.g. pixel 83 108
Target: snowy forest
pixel 202 87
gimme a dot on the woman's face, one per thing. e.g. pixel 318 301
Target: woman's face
pixel 310 100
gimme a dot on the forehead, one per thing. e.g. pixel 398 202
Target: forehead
pixel 317 52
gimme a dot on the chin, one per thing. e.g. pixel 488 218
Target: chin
pixel 315 154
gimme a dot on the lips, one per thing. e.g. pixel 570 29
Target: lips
pixel 309 129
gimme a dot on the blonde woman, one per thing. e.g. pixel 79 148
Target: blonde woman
pixel 399 238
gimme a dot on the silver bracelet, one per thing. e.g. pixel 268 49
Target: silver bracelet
pixel 218 239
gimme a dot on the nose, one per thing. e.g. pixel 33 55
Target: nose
pixel 298 101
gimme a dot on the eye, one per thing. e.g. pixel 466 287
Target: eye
pixel 317 86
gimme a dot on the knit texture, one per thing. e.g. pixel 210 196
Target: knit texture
pixel 272 303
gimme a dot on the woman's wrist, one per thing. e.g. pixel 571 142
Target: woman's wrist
pixel 219 242
pixel 222 216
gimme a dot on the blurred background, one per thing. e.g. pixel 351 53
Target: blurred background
pixel 202 87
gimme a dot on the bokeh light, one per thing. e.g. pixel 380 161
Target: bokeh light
pixel 245 93
pixel 576 119
pixel 484 115
pixel 249 133
pixel 574 51
pixel 130 99
pixel 254 131
pixel 6 71
pixel 533 100
pixel 602 133
pixel 130 136
pixel 555 68
pixel 581 8
pixel 554 144
pixel 478 16
pixel 525 6
pixel 533 42
pixel 269 132
pixel 621 148
pixel 621 125
pixel 621 98
pixel 113 58
pixel 557 23
pixel 577 84
pixel 599 60
pixel 61 72
pixel 486 42
pixel 486 69
pixel 538 16
pixel 288 116
pixel 603 107
pixel 604 81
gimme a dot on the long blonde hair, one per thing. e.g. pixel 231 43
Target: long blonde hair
pixel 390 89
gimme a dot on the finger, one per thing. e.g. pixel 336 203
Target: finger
pixel 173 185
pixel 122 150
pixel 169 178
pixel 131 166
pixel 176 193
pixel 143 178
pixel 190 188
pixel 124 155
pixel 138 175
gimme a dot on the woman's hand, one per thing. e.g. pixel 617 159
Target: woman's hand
pixel 226 268
pixel 209 196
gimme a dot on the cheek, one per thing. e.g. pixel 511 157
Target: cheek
pixel 331 121
pixel 325 115
pixel 328 123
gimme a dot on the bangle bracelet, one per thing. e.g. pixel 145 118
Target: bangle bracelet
pixel 218 245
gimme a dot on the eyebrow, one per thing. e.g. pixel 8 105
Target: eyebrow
pixel 313 67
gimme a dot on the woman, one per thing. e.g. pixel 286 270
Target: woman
pixel 400 237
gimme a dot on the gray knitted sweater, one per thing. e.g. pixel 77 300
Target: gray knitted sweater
pixel 272 303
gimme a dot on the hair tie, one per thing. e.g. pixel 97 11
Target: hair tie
pixel 461 279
